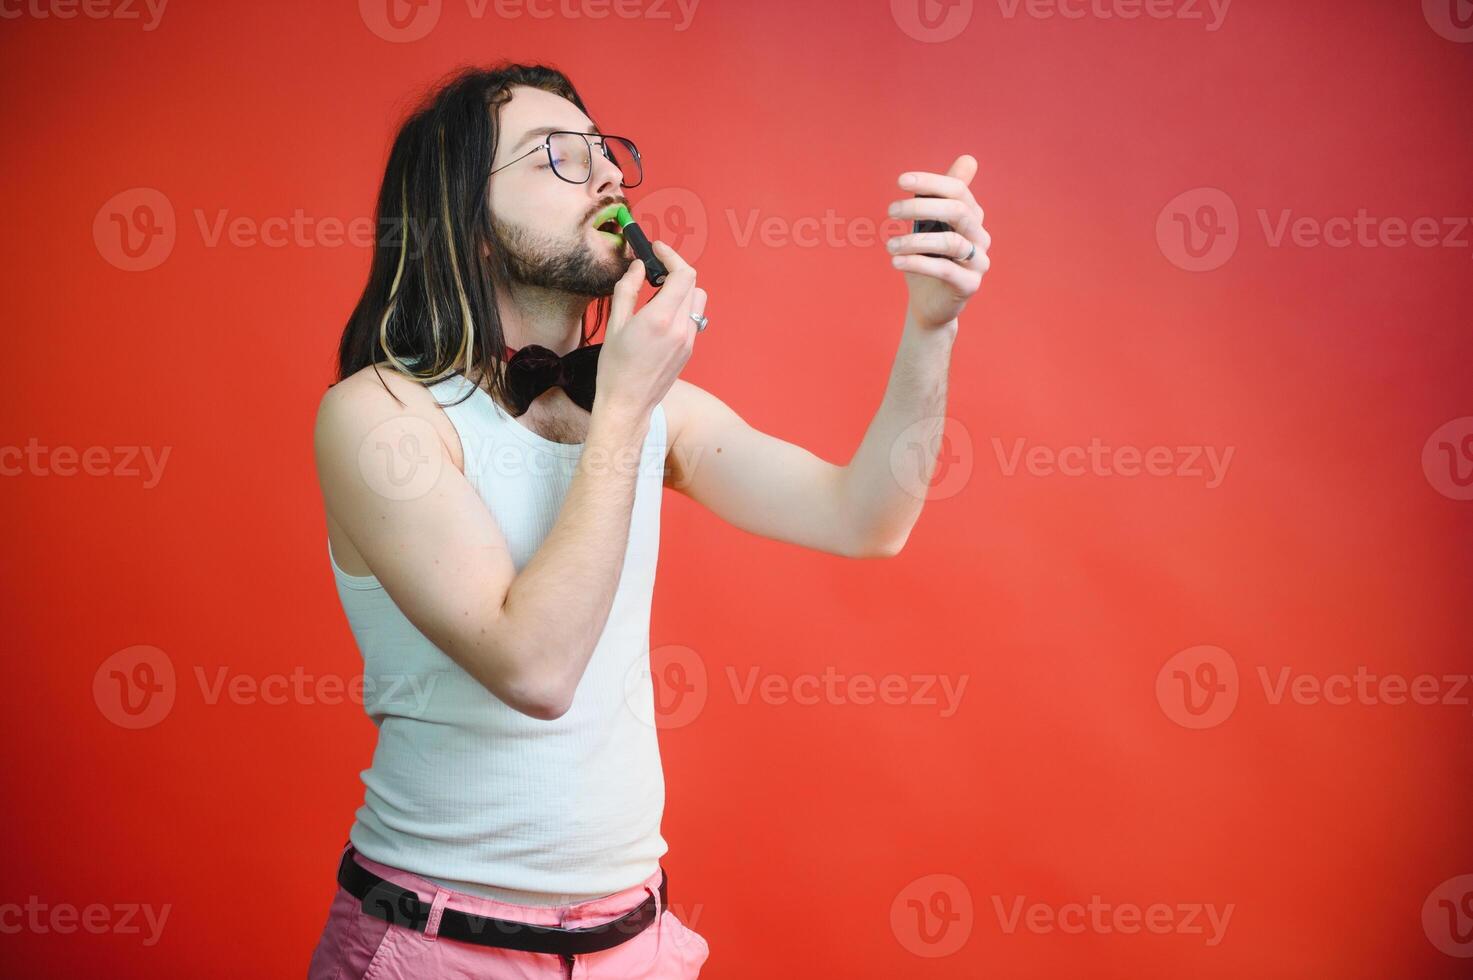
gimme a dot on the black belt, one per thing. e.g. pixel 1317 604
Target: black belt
pixel 385 900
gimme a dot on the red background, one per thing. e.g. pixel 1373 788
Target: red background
pixel 794 828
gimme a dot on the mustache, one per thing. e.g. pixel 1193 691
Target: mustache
pixel 589 217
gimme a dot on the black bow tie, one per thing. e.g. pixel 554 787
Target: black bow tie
pixel 534 369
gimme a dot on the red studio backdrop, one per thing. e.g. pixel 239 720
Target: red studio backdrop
pixel 1171 678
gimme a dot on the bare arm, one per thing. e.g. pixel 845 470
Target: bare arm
pixel 778 490
pixel 885 481
pixel 560 602
pixel 867 508
pixel 444 562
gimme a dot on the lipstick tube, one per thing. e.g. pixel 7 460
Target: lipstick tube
pixel 654 270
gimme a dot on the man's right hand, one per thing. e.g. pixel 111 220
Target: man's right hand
pixel 644 352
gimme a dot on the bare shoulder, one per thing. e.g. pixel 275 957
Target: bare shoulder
pixel 375 396
pixel 687 402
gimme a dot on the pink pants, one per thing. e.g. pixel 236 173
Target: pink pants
pixel 357 946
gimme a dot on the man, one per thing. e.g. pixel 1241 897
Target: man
pixel 493 538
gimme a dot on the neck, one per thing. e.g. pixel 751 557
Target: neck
pixel 548 317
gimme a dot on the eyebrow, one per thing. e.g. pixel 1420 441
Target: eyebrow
pixel 531 134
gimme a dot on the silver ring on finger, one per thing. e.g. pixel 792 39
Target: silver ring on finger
pixel 970 254
pixel 701 321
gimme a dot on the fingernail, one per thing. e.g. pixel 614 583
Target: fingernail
pixel 897 260
pixel 907 180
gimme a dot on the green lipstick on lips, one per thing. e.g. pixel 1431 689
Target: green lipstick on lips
pixel 654 269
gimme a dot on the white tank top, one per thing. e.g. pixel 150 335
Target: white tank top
pixel 472 794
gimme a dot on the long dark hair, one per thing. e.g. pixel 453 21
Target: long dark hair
pixel 429 308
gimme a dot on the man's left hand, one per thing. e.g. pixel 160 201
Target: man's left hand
pixel 940 288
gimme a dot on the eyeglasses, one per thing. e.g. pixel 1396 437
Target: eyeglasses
pixel 570 155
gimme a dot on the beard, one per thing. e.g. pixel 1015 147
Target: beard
pixel 566 266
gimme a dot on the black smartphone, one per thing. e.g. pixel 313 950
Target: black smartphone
pixel 927 225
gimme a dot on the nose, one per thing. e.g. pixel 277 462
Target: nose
pixel 605 177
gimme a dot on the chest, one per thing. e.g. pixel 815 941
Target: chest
pixel 554 416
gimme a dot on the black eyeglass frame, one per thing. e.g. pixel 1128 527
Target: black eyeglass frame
pixel 588 139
